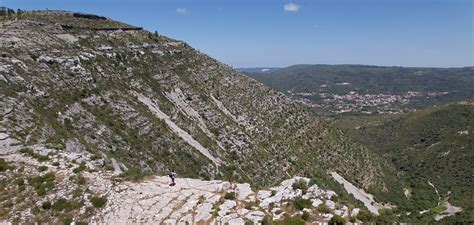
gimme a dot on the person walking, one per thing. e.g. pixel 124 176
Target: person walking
pixel 172 175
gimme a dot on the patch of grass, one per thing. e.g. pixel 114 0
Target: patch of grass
pixel 31 153
pixel 438 209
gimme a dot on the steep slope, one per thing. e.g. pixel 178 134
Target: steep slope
pixel 433 150
pixel 371 89
pixel 144 103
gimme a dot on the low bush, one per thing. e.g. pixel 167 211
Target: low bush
pixel 337 220
pixel 42 184
pixel 364 216
pixel 63 205
pixel 98 201
pixel 229 195
pixel 323 208
pixel 292 221
pixel 80 168
pixel 305 216
pixel 42 168
pixel 301 203
pixel 4 165
pixel 301 185
pixel 46 205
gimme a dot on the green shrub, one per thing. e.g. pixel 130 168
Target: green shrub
pixel 292 221
pixel 77 193
pixel 323 208
pixel 248 205
pixel 20 182
pixel 364 216
pixel 42 168
pixel 386 216
pixel 229 195
pixel 300 184
pixel 63 204
pixel 55 163
pixel 305 216
pixel 301 203
pixel 46 205
pixel 4 165
pixel 337 220
pixel 42 184
pixel 80 180
pixel 98 202
pixel 80 168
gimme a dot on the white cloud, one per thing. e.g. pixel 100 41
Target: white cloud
pixel 181 10
pixel 292 7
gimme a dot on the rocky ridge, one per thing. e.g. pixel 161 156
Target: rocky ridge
pixel 127 103
pixel 77 180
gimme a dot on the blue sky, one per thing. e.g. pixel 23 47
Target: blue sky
pixel 251 33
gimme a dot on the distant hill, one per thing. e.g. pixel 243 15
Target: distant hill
pixel 370 89
pixel 434 145
pixel 258 69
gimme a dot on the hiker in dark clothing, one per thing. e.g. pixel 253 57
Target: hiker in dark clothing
pixel 172 175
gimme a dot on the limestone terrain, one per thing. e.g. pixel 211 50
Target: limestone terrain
pixel 93 100
pixel 201 202
pixel 77 177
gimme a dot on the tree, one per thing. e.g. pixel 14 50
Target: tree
pixel 364 216
pixel 386 216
